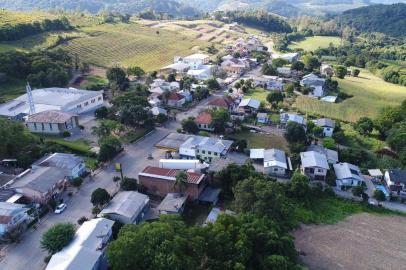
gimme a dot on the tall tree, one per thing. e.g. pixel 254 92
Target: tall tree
pixel 57 237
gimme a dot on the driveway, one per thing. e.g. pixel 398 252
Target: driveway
pixel 28 255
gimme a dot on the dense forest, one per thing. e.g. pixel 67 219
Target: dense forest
pixel 171 7
pixel 387 19
pixel 257 19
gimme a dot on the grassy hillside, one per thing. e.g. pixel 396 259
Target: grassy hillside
pixel 129 44
pixel 370 94
pixel 313 43
pixel 14 18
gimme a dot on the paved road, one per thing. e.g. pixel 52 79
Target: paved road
pixel 28 255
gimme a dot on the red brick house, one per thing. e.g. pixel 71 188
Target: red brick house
pixel 160 181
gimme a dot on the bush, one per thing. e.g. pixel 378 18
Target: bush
pixel 82 220
pixel 95 210
pixel 116 178
pixel 129 184
pixel 77 182
pixel 109 148
pixel 57 237
pixel 204 133
pixel 329 143
pixel 66 134
pixel 101 113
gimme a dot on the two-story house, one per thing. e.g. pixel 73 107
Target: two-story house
pixel 314 165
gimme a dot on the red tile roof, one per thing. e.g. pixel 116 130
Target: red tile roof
pixel 192 177
pixel 175 96
pixel 204 119
pixel 224 102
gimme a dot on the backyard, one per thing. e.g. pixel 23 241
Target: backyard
pixel 260 140
pixel 257 93
pixel 370 94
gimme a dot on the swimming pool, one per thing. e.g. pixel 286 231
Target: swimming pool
pixel 383 189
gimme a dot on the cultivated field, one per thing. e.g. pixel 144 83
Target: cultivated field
pixel 362 241
pixel 313 43
pixel 13 18
pixel 370 94
pixel 130 44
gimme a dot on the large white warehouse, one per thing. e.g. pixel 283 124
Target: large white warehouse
pixel 57 99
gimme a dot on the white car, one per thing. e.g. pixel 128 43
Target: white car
pixel 60 208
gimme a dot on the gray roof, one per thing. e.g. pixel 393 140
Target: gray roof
pixel 8 209
pixel 53 117
pixel 347 170
pixel 219 164
pixel 84 251
pixel 207 144
pixel 275 158
pixel 173 140
pixel 325 122
pixel 286 117
pixel 313 159
pixel 397 176
pixel 250 102
pixel 332 156
pixel 59 160
pixel 126 203
pixel 173 202
pixel 41 179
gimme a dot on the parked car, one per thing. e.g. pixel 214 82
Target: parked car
pixel 60 208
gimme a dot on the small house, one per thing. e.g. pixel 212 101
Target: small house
pixel 327 124
pixel 72 164
pixel 204 148
pixel 395 180
pixel 176 100
pixel 262 118
pixel 204 121
pixel 326 70
pixel 314 165
pixel 275 162
pixel 347 175
pixel 331 155
pixel 12 215
pixel 315 83
pixel 292 117
pixel 158 110
pixel 52 122
pixel 249 105
pixel 223 102
pixel 173 203
pixel 127 207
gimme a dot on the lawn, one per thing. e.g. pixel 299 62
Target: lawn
pixel 313 43
pixel 130 44
pixel 259 140
pixel 258 93
pixel 370 94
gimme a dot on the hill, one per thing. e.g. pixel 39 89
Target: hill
pixel 387 19
pixel 171 7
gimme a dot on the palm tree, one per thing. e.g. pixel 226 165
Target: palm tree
pixel 180 184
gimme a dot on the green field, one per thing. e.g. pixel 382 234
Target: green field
pixel 313 43
pixel 258 93
pixel 11 89
pixel 130 44
pixel 13 18
pixel 258 140
pixel 370 94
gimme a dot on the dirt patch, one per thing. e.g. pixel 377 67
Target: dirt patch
pixel 363 241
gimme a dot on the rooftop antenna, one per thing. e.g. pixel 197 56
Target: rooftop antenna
pixel 30 99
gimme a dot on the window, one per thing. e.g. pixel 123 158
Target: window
pixel 99 98
pixel 209 152
pixel 50 126
pixel 320 170
pixel 86 103
pixel 93 101
pixel 203 152
pixel 309 170
pixel 275 169
pixel 216 154
pixel 35 126
pixel 79 106
pixel 42 125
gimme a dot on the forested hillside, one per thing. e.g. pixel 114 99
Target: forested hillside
pixel 171 7
pixel 387 19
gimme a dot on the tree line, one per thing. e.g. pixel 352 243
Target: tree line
pixel 17 31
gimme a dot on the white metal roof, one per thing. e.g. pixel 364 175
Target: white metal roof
pixel 199 56
pixel 126 203
pixel 314 159
pixel 275 158
pixel 375 172
pixel 257 153
pixel 250 102
pixel 347 170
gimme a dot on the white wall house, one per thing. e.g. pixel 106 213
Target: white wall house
pixel 314 165
pixel 73 165
pixel 275 162
pixel 347 175
pixel 327 124
pixel 52 122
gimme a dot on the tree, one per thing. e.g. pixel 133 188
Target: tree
pixel 358 191
pixel 171 77
pixel 329 143
pixel 379 195
pixel 274 97
pixel 295 133
pixel 220 118
pixel 161 118
pixel 364 125
pixel 135 71
pixel 116 75
pixel 279 62
pixel 297 65
pixel 387 118
pixel 109 148
pixel 290 88
pixel 189 125
pixel 355 72
pixel 100 197
pixel 101 112
pixel 340 71
pixel 135 115
pixel 128 184
pixel 310 62
pixel 57 237
pixel 213 84
pixel 268 70
pixel 299 186
pixel 180 184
